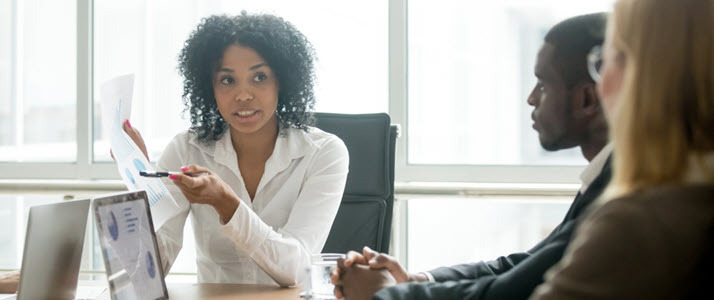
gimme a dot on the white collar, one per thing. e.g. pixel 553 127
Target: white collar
pixel 290 144
pixel 595 167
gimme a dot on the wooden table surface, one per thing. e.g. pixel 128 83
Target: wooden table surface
pixel 217 291
pixel 231 291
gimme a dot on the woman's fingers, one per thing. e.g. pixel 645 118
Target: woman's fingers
pixel 195 169
pixel 192 194
pixel 204 189
pixel 136 137
pixel 184 189
pixel 187 182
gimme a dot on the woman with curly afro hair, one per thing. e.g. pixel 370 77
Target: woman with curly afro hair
pixel 262 186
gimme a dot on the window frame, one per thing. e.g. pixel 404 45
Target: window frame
pixel 86 169
pixel 398 110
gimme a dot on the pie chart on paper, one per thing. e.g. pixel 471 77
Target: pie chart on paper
pixel 131 177
pixel 139 165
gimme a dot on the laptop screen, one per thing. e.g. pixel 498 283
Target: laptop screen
pixel 128 242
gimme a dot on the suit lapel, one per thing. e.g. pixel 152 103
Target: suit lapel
pixel 594 191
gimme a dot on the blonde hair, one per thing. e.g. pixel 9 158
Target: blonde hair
pixel 666 110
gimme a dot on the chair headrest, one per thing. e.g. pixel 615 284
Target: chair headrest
pixel 367 137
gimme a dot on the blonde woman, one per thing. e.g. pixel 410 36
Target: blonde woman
pixel 651 237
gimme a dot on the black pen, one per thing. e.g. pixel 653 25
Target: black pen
pixel 167 174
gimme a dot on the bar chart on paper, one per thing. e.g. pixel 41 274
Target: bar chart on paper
pixel 123 147
pixel 153 187
pixel 116 103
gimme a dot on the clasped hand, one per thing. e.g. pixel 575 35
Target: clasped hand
pixel 360 276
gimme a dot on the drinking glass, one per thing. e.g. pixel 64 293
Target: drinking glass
pixel 321 266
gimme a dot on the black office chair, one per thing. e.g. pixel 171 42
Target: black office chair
pixel 365 214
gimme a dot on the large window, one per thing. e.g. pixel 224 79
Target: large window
pixel 6 67
pixel 141 37
pixel 14 213
pixel 450 230
pixel 38 81
pixel 454 75
pixel 470 71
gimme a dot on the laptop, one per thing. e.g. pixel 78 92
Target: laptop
pixel 53 251
pixel 131 255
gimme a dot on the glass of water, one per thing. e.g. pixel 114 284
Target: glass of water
pixel 321 266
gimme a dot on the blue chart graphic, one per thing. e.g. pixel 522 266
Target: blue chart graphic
pixel 131 177
pixel 153 190
pixel 130 220
pixel 155 193
pixel 123 148
pixel 150 266
pixel 113 227
pixel 139 165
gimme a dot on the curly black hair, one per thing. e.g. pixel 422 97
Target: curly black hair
pixel 286 51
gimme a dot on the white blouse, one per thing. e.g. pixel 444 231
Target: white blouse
pixel 270 239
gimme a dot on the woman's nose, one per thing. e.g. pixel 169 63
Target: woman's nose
pixel 243 95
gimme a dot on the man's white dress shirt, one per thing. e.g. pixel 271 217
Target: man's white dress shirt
pixel 594 168
pixel 271 238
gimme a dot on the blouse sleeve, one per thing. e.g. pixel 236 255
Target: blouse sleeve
pixel 285 253
pixel 169 236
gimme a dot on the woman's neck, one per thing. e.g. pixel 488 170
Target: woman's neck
pixel 259 144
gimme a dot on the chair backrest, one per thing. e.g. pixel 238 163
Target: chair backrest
pixel 365 214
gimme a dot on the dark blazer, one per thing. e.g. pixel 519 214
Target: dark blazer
pixel 507 277
pixel 652 244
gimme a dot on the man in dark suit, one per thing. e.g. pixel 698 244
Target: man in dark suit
pixel 566 114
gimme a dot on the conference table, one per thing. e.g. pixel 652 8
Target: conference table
pixel 217 291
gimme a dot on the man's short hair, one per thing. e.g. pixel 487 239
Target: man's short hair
pixel 573 38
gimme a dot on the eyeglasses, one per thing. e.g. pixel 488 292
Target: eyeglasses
pixel 595 63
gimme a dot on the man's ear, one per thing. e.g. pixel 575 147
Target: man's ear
pixel 586 102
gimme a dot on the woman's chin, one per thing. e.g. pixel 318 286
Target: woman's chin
pixel 245 128
pixel 253 124
pixel 250 128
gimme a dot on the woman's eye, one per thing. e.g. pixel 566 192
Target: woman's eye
pixel 227 80
pixel 259 77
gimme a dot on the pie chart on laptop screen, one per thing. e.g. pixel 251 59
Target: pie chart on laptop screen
pixel 113 227
pixel 150 266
